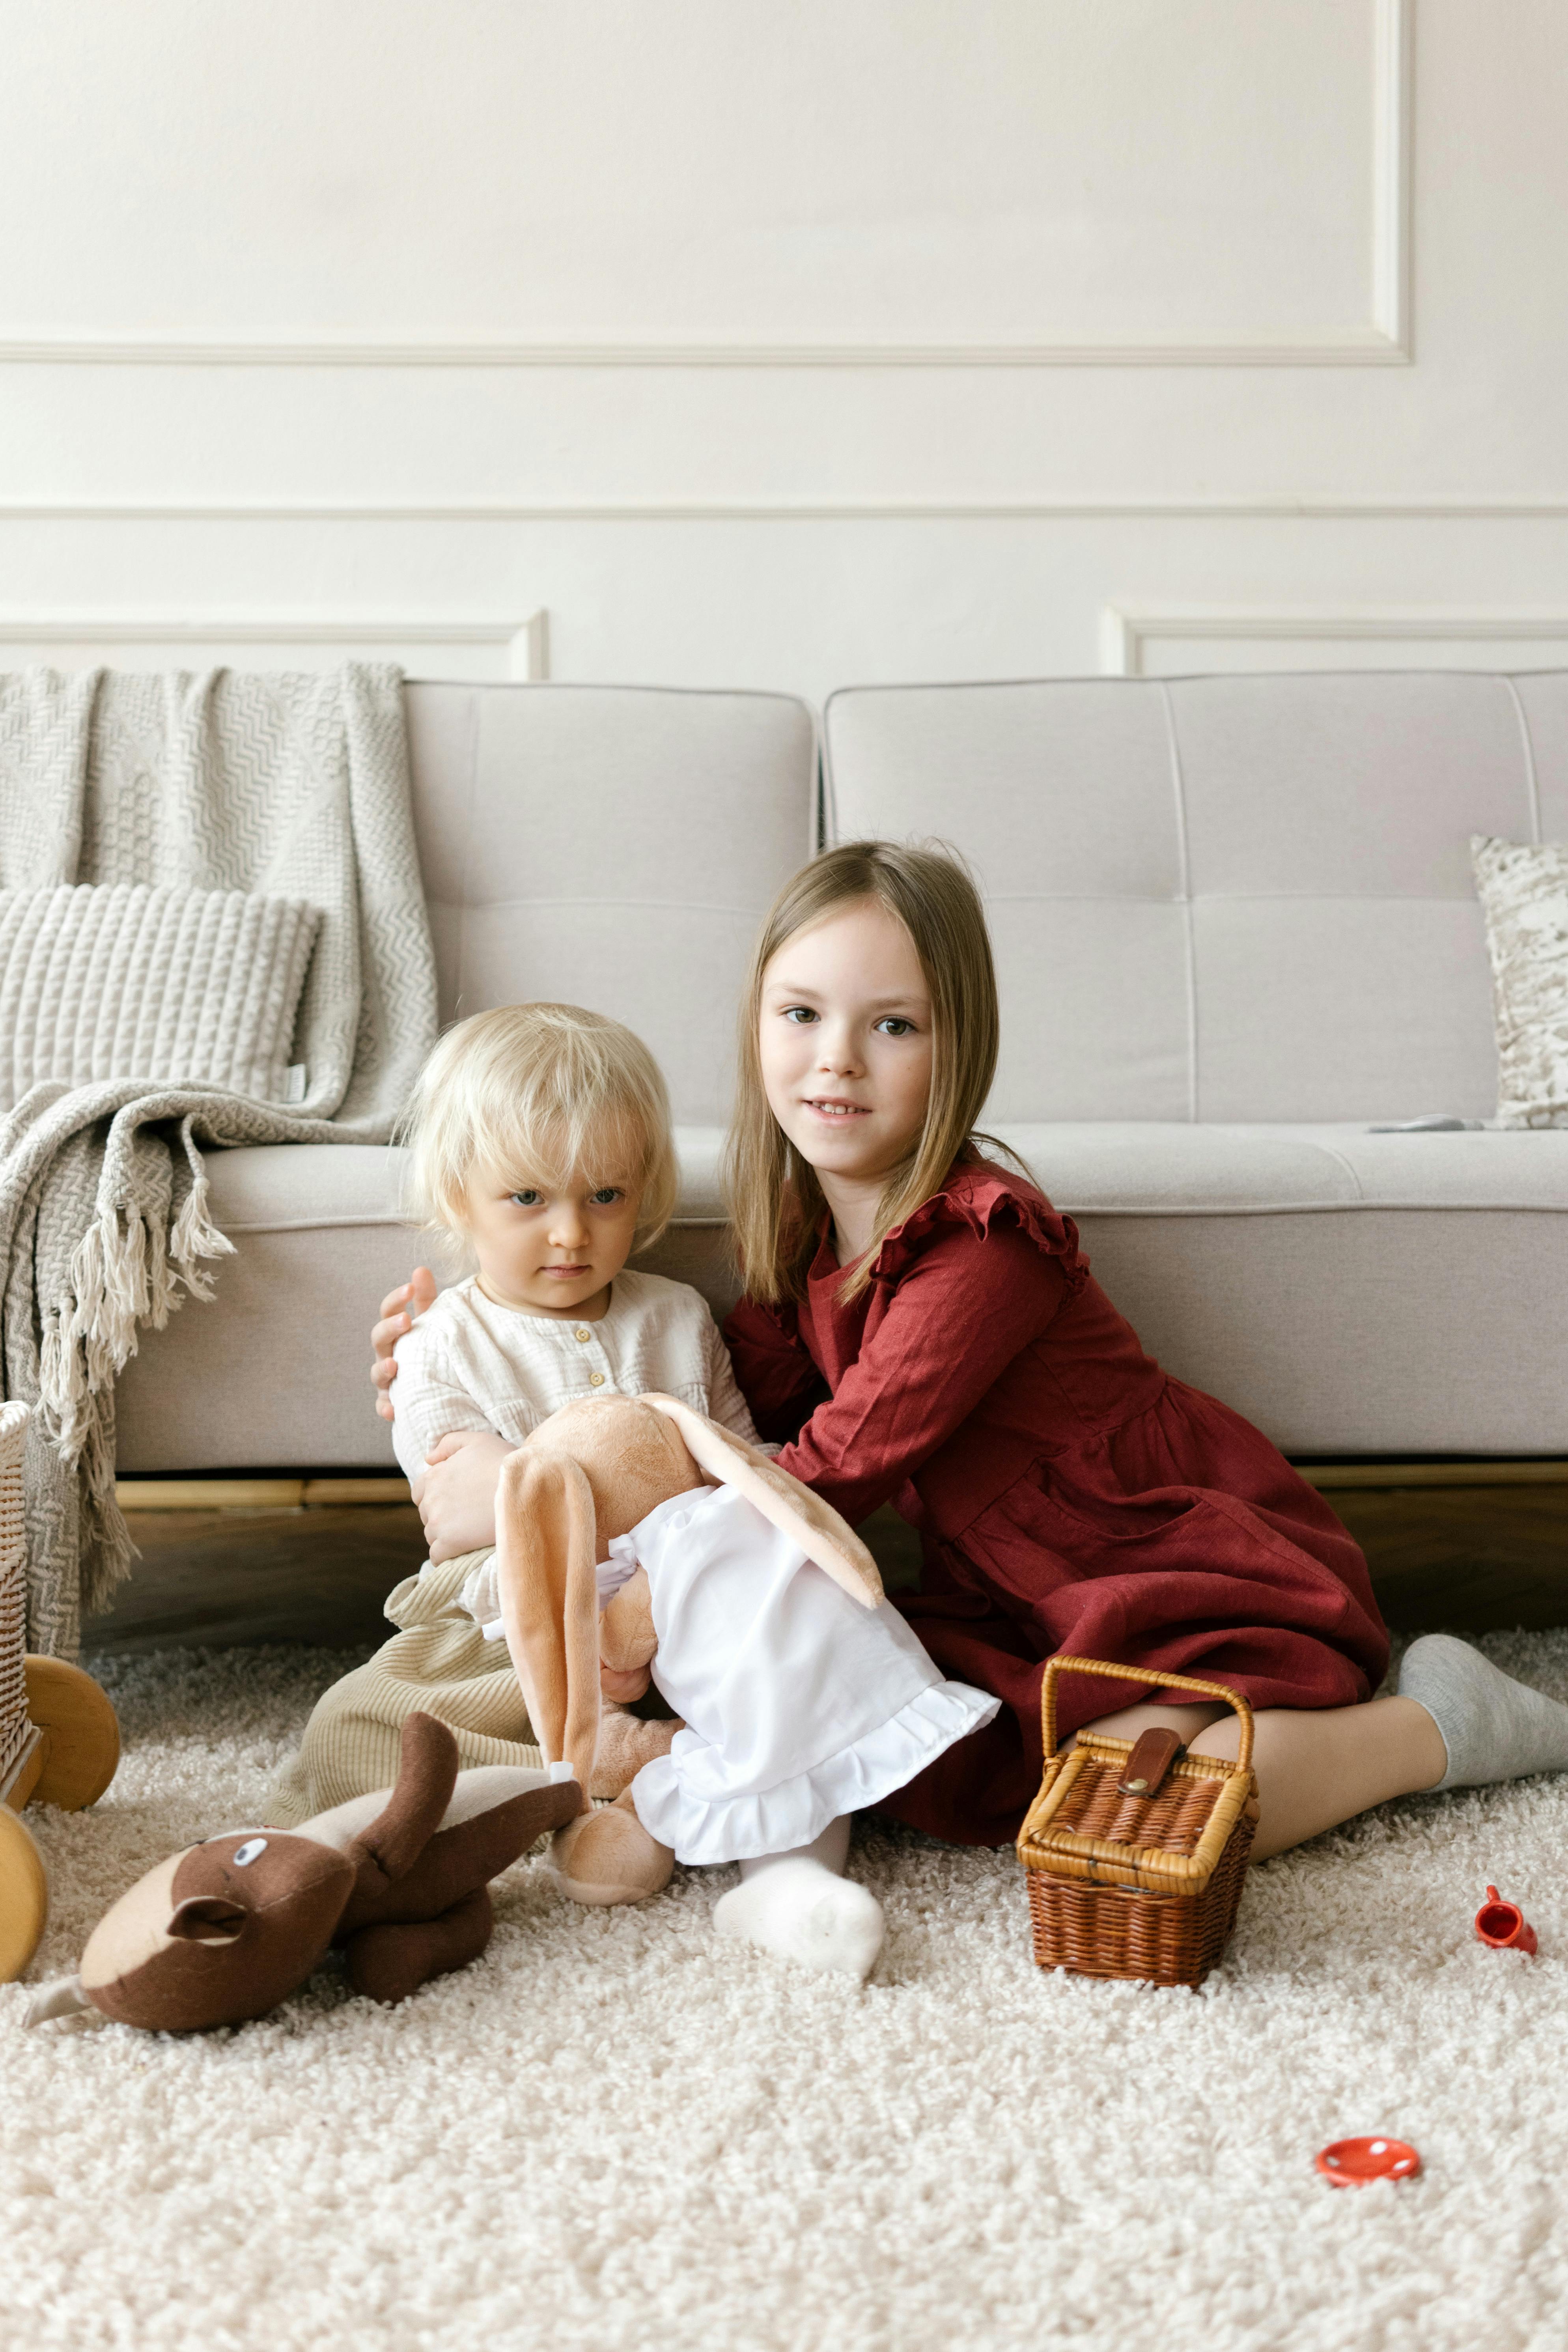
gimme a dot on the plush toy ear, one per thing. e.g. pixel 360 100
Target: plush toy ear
pixel 207 1919
pixel 793 1509
pixel 546 1532
pixel 427 1774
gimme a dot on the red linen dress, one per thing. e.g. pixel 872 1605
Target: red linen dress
pixel 1069 1495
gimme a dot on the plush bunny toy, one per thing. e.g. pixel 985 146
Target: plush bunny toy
pixel 225 1930
pixel 635 1537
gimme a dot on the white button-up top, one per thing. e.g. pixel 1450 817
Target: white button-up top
pixel 470 1364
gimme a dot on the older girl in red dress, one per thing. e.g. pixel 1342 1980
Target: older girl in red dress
pixel 921 1327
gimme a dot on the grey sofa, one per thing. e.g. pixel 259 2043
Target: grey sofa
pixel 1236 932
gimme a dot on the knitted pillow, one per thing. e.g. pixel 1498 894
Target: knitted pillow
pixel 178 987
pixel 1524 890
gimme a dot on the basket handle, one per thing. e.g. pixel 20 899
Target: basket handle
pixel 1144 1674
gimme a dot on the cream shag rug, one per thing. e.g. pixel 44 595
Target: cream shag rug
pixel 615 2132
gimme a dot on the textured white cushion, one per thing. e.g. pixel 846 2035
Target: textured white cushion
pixel 126 982
pixel 1523 889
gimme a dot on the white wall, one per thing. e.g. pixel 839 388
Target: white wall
pixel 784 342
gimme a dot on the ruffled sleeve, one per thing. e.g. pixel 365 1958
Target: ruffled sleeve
pixel 985 1199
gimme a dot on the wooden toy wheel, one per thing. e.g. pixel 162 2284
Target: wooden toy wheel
pixel 81 1734
pixel 24 1896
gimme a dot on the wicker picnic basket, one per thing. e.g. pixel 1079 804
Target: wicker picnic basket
pixel 1136 1852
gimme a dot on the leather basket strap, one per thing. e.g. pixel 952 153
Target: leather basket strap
pixel 1152 1755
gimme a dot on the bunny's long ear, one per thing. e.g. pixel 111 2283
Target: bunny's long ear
pixel 545 1536
pixel 793 1509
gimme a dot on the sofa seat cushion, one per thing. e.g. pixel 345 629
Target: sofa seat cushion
pixel 1142 1168
pixel 1350 1292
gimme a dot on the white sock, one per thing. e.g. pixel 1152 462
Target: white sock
pixel 799 1906
pixel 1493 1727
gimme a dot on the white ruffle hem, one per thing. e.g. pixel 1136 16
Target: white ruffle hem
pixel 799 1703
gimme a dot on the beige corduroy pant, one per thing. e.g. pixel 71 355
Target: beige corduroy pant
pixel 437 1662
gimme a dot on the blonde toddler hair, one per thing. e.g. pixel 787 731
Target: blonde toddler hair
pixel 538 1093
pixel 775 1201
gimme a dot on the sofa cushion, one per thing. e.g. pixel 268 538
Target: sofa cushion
pixel 125 981
pixel 1350 1292
pixel 1231 898
pixel 1136 1167
pixel 614 846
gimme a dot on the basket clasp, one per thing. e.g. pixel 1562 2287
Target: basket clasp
pixel 1152 1755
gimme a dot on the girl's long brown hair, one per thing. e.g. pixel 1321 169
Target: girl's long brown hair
pixel 775 1202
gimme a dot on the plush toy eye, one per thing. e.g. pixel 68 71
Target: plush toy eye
pixel 251 1851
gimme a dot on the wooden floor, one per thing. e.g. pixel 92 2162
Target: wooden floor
pixel 1474 1559
pixel 223 1578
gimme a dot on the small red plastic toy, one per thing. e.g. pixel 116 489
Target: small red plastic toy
pixel 1353 2163
pixel 1503 1926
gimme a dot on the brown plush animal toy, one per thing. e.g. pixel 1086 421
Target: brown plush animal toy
pixel 226 1929
pixel 584 1479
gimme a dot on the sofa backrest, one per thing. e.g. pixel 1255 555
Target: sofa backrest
pixel 612 847
pixel 1239 898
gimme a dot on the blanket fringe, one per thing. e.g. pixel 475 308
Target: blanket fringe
pixel 194 1236
pixel 124 1273
pixel 108 1553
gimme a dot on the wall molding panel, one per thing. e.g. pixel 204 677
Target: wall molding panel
pixel 523 647
pixel 1126 635
pixel 1164 337
pixel 1262 507
pixel 1382 340
pixel 1392 222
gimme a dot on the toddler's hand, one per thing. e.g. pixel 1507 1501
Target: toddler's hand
pixel 420 1289
pixel 457 1496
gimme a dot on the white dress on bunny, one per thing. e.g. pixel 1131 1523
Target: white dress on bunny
pixel 800 1704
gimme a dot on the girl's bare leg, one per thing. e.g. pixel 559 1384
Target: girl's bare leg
pixel 1315 1767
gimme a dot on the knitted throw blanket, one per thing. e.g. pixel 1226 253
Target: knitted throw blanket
pixel 292 785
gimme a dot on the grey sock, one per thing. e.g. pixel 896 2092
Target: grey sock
pixel 1493 1727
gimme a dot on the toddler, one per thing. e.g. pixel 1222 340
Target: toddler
pixel 542 1145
